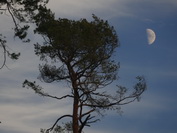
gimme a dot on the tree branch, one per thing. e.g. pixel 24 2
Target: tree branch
pixel 4 49
pixel 39 91
pixel 8 7
pixel 83 123
pixel 50 129
pixel 132 98
pixel 87 113
pixel 58 98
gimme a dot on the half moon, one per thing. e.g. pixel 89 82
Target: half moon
pixel 150 36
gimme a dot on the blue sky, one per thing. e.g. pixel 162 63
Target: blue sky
pixel 23 111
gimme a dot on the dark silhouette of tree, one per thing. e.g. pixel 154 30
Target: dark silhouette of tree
pixel 22 13
pixel 79 52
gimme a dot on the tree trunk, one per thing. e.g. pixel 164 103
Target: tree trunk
pixel 73 76
pixel 75 113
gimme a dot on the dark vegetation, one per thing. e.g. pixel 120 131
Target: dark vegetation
pixel 76 52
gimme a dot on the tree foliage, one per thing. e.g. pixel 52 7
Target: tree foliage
pixel 6 52
pixel 21 13
pixel 67 128
pixel 79 52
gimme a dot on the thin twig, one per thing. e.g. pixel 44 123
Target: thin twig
pixel 4 62
pixel 8 7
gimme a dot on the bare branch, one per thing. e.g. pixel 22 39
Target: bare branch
pixel 89 122
pixel 116 103
pixel 58 98
pixel 99 105
pixel 84 114
pixel 5 52
pixel 13 18
pixel 107 101
pixel 50 129
pixel 84 123
pixel 39 91
pixel 4 49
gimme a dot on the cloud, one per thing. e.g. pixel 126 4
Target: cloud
pixel 30 117
pixel 23 111
pixel 113 8
pixel 79 8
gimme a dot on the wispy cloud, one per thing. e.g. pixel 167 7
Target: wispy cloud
pixel 23 111
pixel 113 8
